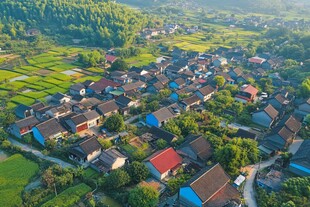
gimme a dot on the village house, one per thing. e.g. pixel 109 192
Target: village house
pixel 173 71
pixel 244 78
pixel 133 87
pixel 279 139
pixel 278 101
pixel 60 110
pixel 177 84
pixel 155 87
pixel 246 94
pixel 86 150
pixel 189 102
pixel 205 93
pixel 303 109
pixel 265 117
pixel 48 130
pixel 245 134
pixel 125 103
pixel 60 98
pixel 196 147
pixel 163 163
pixel 77 89
pixel 22 111
pixel 120 77
pixel 209 188
pixel 256 61
pixel 23 126
pixel 102 86
pixel 235 73
pixel 93 118
pixel 77 123
pixel 158 133
pixel 108 108
pixel 41 115
pixel 219 62
pixel 110 159
pixel 86 105
pixel 110 58
pixel 176 95
pixel 162 116
pixel 161 78
pixel 300 162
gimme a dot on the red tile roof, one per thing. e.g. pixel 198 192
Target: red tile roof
pixel 110 58
pixel 256 60
pixel 103 84
pixel 165 160
pixel 249 89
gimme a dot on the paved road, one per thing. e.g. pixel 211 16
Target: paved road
pixel 249 193
pixel 40 155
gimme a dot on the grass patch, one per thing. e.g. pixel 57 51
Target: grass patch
pixel 36 94
pixel 93 78
pixel 7 75
pixel 19 99
pixel 90 173
pixel 15 173
pixel 61 76
pixel 141 60
pixel 45 84
pixel 68 197
pixel 65 85
pixel 53 81
pixel 95 70
pixel 16 85
pixel 129 148
pixel 62 67
pixel 54 90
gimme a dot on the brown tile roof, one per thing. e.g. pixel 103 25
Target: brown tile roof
pixel 103 84
pixel 91 115
pixel 37 106
pixel 28 121
pixel 86 147
pixel 50 128
pixel 191 100
pixel 162 78
pixel 78 119
pixel 271 112
pixel 285 133
pixel 206 90
pixel 133 86
pixel 227 194
pixel 210 182
pixel 249 89
pixel 158 86
pixel 77 87
pixel 180 81
pixel 163 114
pixel 108 107
pixel 280 98
pixel 237 71
pixel 202 148
pixel 293 124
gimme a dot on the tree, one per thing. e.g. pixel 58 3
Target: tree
pixel 119 64
pixel 3 134
pixel 28 138
pixel 187 125
pixel 161 143
pixel 105 143
pixel 219 80
pixel 138 171
pixel 117 179
pixel 143 196
pixel 50 144
pixel 139 155
pixel 305 88
pixel 115 123
pixel 172 127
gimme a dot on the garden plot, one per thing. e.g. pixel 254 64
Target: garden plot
pixel 7 75
pixel 69 72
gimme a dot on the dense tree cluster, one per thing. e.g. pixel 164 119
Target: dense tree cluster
pixel 295 192
pixel 91 58
pixel 143 196
pixel 115 123
pixel 101 23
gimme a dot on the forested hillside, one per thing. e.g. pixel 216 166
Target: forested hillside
pixel 99 22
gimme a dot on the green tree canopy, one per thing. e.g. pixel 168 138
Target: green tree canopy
pixel 115 123
pixel 219 80
pixel 143 197
pixel 119 64
pixel 137 171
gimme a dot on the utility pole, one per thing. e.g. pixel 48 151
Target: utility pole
pixel 55 189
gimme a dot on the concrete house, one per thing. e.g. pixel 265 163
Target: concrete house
pixel 23 126
pixel 48 130
pixel 108 160
pixel 136 86
pixel 108 108
pixel 77 123
pixel 163 163
pixel 256 61
pixel 85 150
pixel 300 162
pixel 93 118
pixel 102 86
pixel 60 110
pixel 158 133
pixel 205 93
pixel 266 116
pixel 209 188
pixel 247 93
pixel 189 102
pixel 176 95
pixel 60 98
pixel 110 58
pixel 77 89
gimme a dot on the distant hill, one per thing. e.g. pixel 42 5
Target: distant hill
pixel 99 22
